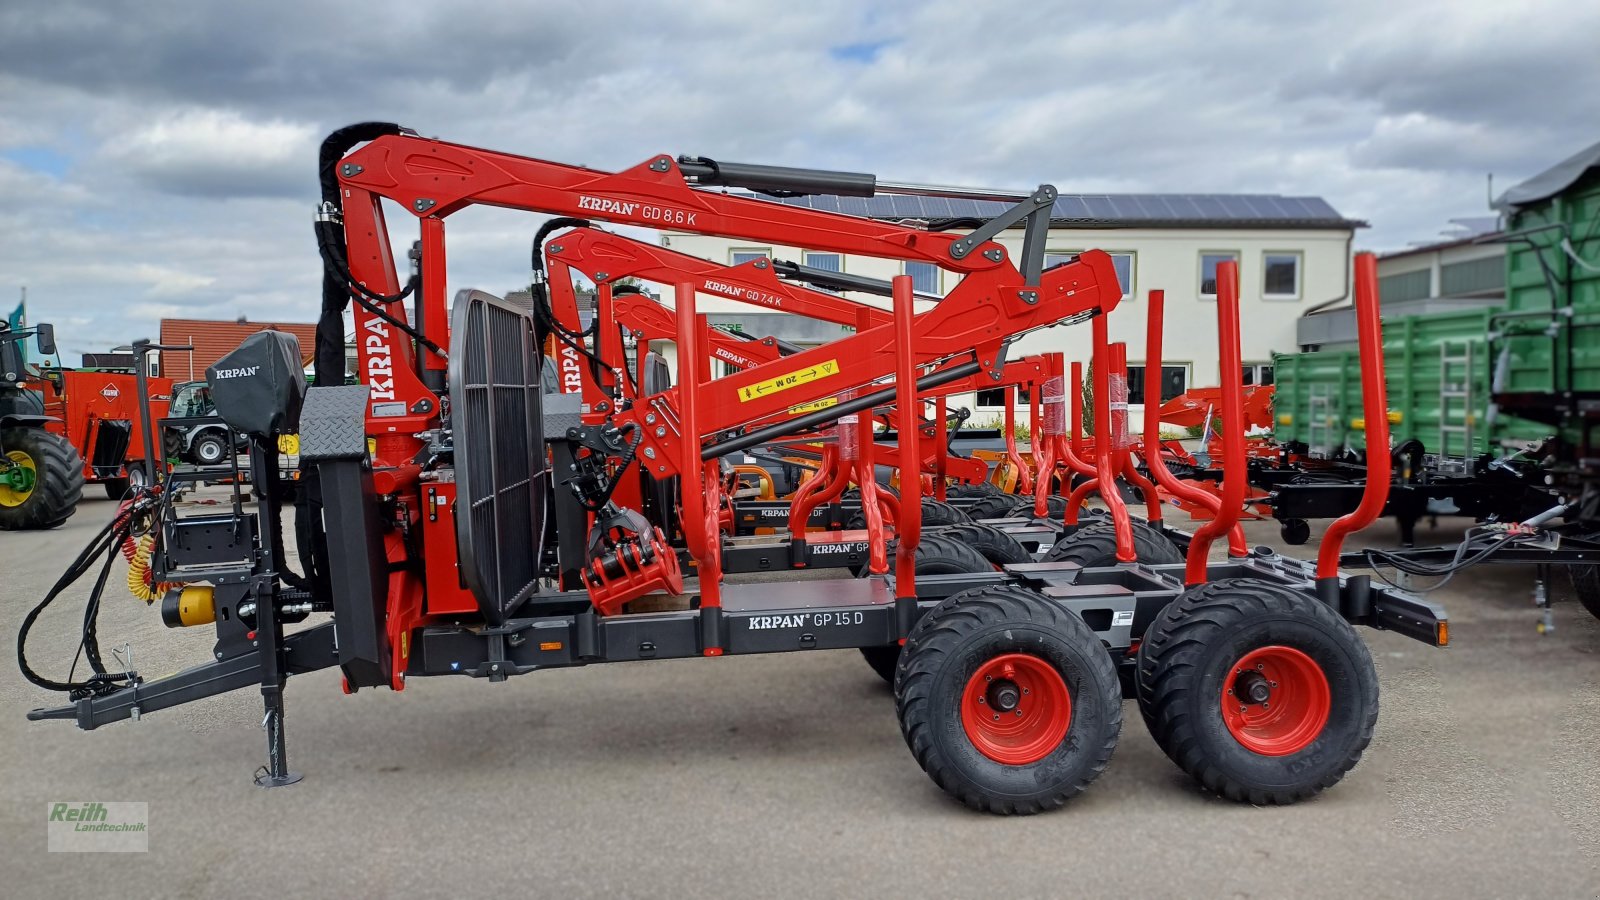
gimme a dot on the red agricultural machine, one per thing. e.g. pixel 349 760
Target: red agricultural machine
pixel 453 518
pixel 63 428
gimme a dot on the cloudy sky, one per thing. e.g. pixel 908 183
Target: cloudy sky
pixel 158 158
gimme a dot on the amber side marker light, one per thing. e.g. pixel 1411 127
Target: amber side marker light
pixel 1443 635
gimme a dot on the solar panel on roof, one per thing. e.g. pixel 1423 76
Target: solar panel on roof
pixel 1097 209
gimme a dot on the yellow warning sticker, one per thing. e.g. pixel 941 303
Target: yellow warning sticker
pixel 813 406
pixel 785 382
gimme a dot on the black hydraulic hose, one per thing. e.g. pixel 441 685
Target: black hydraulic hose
pixel 1376 558
pixel 329 236
pixel 105 542
pixel 89 637
pixel 833 413
pixel 329 357
pixel 541 298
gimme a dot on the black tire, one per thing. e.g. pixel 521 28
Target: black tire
pixel 209 449
pixel 1094 544
pixel 1183 670
pixel 937 554
pixel 933 513
pixel 946 652
pixel 938 512
pixel 1055 504
pixel 58 480
pixel 133 477
pixel 1586 584
pixel 993 506
pixel 999 548
pixel 965 491
pixel 1294 531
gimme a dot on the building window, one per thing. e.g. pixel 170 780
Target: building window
pixel 997 397
pixel 1123 260
pixel 831 262
pixel 1405 286
pixel 1174 381
pixel 1257 373
pixel 1208 271
pixel 924 277
pixel 1280 276
pixel 1475 276
pixel 741 255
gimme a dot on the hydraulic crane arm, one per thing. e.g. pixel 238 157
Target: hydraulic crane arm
pixel 431 179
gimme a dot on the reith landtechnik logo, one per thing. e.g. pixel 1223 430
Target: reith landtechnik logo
pixel 95 827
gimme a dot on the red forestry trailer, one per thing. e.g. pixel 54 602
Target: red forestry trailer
pixel 437 504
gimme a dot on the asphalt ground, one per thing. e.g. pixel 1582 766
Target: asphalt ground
pixel 783 775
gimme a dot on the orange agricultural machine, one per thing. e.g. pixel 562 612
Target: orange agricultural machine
pixel 454 518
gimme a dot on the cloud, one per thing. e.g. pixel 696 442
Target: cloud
pixel 166 160
pixel 216 153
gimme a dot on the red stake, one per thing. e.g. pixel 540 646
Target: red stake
pixel 1105 452
pixel 1231 377
pixel 1152 427
pixel 700 527
pixel 910 524
pixel 1375 406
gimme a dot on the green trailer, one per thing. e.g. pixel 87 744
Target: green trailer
pixel 1440 373
pixel 1549 332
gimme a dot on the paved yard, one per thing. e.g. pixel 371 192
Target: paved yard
pixel 783 775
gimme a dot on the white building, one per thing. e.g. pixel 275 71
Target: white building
pixel 1293 254
pixel 1466 270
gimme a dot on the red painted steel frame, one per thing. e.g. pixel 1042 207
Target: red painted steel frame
pixel 1375 406
pixel 1024 474
pixel 1231 377
pixel 701 498
pixel 1125 463
pixel 652 321
pixel 603 256
pixel 1152 428
pixel 910 525
pixel 433 179
pixel 1106 457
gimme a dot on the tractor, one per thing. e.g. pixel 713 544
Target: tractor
pixel 41 472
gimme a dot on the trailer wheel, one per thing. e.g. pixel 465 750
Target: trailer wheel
pixel 1008 701
pixel 999 548
pixel 132 479
pixel 1294 531
pixel 934 513
pixel 1262 693
pixel 992 506
pixel 977 490
pixel 1586 584
pixel 1094 544
pixel 1055 507
pixel 45 483
pixel 937 554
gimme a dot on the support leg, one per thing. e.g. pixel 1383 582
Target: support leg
pixel 269 635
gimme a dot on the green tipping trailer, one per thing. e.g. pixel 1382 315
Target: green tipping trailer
pixel 1551 322
pixel 1439 372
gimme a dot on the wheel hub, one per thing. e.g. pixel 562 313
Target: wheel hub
pixel 1250 686
pixel 18 477
pixel 1276 700
pixel 1016 709
pixel 1003 695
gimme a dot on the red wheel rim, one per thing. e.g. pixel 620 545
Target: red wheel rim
pixel 1016 709
pixel 1275 701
